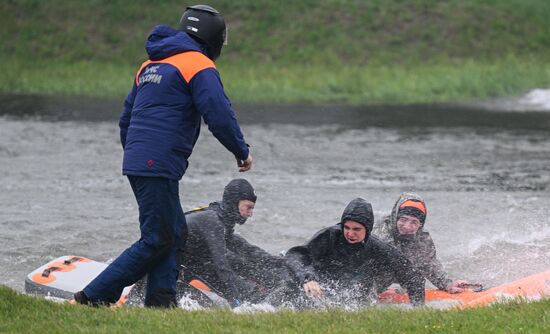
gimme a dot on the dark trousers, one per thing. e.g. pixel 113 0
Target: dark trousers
pixel 163 231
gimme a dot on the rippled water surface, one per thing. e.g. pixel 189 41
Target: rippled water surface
pixel 485 177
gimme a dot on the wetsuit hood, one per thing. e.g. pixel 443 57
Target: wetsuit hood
pixel 234 192
pixel 164 41
pixel 360 211
pixel 407 204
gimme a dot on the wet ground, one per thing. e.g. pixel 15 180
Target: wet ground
pixel 484 174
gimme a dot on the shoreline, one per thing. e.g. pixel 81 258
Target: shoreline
pixel 462 83
pixel 508 113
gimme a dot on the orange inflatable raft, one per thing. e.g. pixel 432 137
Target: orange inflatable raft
pixel 62 277
pixel 531 288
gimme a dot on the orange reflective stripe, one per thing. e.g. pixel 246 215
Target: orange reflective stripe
pixel 188 64
pixel 145 63
pixel 415 204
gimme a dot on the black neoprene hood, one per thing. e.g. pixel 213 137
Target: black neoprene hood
pixel 360 211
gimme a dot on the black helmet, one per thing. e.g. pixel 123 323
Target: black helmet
pixel 206 24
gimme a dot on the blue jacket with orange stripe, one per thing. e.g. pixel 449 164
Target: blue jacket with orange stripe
pixel 162 113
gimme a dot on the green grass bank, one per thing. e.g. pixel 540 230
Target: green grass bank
pixel 324 51
pixel 24 314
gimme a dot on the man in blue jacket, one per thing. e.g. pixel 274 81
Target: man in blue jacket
pixel 159 126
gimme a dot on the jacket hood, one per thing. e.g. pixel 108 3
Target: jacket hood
pixel 164 41
pixel 360 211
pixel 394 216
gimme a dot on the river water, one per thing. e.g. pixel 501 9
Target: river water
pixel 485 176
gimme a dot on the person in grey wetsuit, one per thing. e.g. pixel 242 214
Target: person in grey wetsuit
pixel 404 229
pixel 346 258
pixel 213 252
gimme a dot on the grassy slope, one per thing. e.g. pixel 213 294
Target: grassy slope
pixel 326 51
pixel 23 314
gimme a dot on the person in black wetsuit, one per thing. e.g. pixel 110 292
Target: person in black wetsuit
pixel 346 260
pixel 239 270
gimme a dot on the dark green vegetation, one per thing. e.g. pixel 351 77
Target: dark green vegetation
pixel 354 51
pixel 24 314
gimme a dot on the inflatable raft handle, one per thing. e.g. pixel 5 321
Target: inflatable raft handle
pixel 72 260
pixel 475 287
pixel 47 271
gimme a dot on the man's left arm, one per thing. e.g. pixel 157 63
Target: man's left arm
pixel 215 108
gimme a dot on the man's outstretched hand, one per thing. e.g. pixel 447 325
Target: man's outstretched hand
pixel 245 165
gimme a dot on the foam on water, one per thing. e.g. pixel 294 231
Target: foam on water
pixel 249 308
pixel 539 98
pixel 534 100
pixel 188 304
